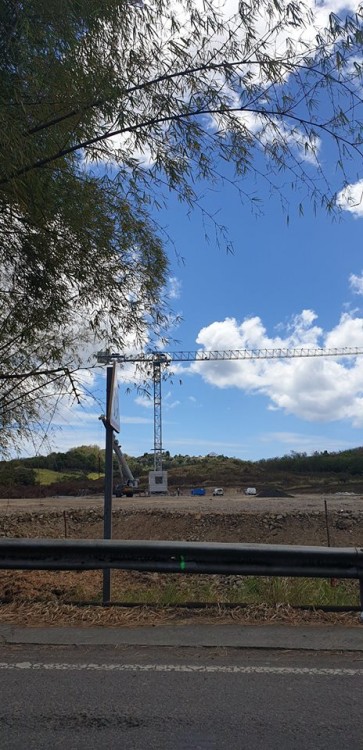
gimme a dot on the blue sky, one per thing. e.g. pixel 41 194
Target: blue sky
pixel 286 284
pixel 277 271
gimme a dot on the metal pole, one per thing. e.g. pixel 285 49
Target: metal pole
pixel 333 581
pixel 158 444
pixel 107 507
pixel 327 522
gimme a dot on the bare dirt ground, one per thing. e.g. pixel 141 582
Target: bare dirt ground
pixel 43 598
pixel 232 518
pixel 231 502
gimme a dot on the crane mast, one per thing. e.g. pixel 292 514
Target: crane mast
pixel 160 360
pixel 158 441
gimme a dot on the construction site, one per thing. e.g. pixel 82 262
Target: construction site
pixel 154 366
pixel 224 514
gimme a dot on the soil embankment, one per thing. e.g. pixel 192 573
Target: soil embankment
pixel 43 597
pixel 232 518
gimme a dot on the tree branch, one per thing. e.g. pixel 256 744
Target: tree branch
pixel 173 118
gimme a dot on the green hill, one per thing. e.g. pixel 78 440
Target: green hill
pixel 83 466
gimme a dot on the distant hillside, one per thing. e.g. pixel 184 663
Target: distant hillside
pixel 83 468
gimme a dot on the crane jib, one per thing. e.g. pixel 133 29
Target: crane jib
pixel 164 358
pixel 159 360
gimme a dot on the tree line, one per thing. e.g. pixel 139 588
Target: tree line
pixel 84 460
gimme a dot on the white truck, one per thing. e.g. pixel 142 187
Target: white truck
pixel 250 491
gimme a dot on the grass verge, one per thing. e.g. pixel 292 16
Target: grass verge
pixel 168 590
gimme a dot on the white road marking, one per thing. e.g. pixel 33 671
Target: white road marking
pixel 194 668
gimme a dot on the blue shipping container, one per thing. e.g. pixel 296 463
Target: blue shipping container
pixel 198 491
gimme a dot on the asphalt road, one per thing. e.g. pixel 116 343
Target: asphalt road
pixel 150 698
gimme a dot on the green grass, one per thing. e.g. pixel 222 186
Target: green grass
pixel 48 476
pixel 295 591
pixel 172 590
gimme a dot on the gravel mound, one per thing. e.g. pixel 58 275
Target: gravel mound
pixel 272 492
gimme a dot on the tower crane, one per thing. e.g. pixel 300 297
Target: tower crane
pixel 160 360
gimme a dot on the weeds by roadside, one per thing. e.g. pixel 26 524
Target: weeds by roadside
pixel 168 590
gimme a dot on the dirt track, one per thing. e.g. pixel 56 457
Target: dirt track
pixel 232 518
pixel 231 503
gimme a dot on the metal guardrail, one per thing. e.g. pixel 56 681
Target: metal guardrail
pixel 182 557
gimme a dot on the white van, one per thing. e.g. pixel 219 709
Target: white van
pixel 218 491
pixel 250 491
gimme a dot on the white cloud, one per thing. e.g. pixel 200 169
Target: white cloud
pixel 348 332
pixel 173 404
pixel 76 425
pixel 136 420
pixel 351 199
pixel 276 40
pixel 273 131
pixel 174 287
pixel 316 389
pixel 144 401
pixel 306 145
pixel 305 443
pixel 167 403
pixel 148 403
pixel 207 445
pixel 356 283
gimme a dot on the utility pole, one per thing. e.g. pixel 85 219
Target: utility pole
pixel 112 422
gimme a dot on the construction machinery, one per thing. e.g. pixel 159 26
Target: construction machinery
pixel 128 483
pixel 159 361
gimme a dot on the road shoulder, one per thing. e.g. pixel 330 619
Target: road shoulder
pixel 279 637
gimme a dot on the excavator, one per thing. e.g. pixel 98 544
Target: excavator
pixel 128 483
